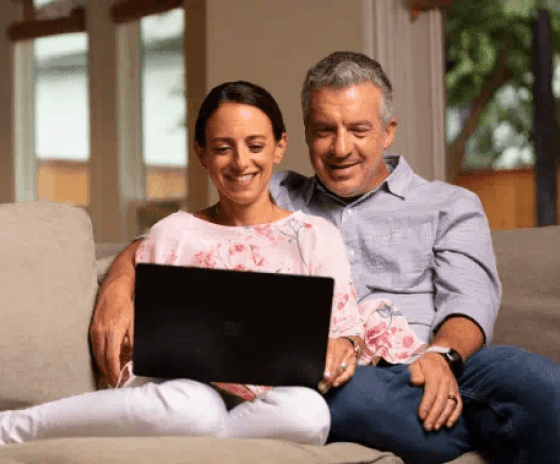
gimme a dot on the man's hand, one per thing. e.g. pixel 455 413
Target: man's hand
pixel 436 408
pixel 341 363
pixel 432 371
pixel 112 325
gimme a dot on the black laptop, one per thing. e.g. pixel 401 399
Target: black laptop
pixel 230 326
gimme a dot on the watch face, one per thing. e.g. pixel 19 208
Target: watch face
pixel 455 361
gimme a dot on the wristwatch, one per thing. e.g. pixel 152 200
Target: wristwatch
pixel 451 356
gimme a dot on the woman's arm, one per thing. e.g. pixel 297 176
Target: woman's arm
pixel 111 329
pixel 329 259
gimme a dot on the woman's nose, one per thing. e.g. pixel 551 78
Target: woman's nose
pixel 241 157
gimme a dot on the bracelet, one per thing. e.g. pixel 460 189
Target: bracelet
pixel 355 345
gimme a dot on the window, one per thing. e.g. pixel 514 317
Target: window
pixel 61 118
pixel 164 136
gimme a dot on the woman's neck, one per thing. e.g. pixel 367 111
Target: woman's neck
pixel 227 214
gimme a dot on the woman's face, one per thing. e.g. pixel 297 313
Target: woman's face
pixel 240 152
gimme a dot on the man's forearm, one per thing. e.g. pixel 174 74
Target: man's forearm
pixel 461 334
pixel 122 268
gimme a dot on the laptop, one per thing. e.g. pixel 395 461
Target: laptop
pixel 214 325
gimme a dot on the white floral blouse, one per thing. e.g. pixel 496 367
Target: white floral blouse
pixel 297 244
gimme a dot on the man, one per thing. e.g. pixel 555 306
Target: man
pixel 424 245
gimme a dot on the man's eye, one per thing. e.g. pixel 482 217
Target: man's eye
pixel 360 131
pixel 321 132
pixel 221 149
pixel 256 148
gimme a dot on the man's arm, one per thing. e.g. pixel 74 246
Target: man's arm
pixel 111 329
pixel 467 296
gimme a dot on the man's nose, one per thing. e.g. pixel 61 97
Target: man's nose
pixel 341 144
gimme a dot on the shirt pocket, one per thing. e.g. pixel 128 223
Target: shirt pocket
pixel 402 253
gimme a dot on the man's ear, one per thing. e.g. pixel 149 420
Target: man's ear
pixel 199 153
pixel 281 147
pixel 389 130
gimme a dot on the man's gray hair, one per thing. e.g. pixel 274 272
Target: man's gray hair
pixel 343 70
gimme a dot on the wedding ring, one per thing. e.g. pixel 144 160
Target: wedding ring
pixel 453 398
pixel 344 365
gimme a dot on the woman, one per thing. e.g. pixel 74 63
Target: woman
pixel 240 136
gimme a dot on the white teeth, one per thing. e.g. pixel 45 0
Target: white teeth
pixel 242 178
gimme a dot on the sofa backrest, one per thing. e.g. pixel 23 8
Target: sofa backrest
pixel 47 290
pixel 529 268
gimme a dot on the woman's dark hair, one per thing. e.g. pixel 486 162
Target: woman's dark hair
pixel 238 92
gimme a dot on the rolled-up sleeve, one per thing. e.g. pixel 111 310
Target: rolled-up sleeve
pixel 465 276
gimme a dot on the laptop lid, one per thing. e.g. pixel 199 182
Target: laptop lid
pixel 215 325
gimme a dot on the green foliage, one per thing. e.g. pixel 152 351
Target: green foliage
pixel 477 32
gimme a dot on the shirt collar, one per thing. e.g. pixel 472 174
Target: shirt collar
pixel 400 175
pixel 397 183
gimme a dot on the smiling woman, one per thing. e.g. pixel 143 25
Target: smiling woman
pixel 239 137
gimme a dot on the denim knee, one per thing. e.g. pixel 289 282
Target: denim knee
pixel 379 408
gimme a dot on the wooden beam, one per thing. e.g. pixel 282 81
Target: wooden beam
pixel 26 30
pixel 131 10
pixel 416 6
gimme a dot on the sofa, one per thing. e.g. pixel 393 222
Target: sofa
pixel 50 269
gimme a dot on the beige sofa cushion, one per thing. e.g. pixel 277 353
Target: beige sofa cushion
pixel 529 268
pixel 190 450
pixel 47 291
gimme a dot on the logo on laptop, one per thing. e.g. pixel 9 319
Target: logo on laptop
pixel 232 329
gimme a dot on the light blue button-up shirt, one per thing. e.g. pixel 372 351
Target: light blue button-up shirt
pixel 424 245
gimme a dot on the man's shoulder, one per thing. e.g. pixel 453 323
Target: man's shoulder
pixel 290 180
pixel 288 189
pixel 442 193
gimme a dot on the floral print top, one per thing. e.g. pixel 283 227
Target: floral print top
pixel 297 244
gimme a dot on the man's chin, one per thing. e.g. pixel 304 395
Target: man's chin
pixel 342 190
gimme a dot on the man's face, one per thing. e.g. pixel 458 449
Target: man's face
pixel 346 138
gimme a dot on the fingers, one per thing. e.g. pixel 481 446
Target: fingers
pixel 340 364
pixel 111 334
pixel 346 374
pixel 98 349
pixel 457 410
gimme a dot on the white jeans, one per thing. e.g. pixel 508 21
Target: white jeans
pixel 174 407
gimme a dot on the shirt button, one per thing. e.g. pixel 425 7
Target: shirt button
pixel 350 212
pixel 350 252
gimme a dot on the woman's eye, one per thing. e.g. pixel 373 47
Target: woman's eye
pixel 256 148
pixel 221 149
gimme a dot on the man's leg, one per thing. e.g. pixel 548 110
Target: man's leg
pixel 512 405
pixel 379 408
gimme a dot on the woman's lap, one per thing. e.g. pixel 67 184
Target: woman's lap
pixel 174 407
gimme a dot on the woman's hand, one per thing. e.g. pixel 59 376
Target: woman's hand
pixel 341 362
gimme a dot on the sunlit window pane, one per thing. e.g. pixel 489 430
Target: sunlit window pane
pixel 62 118
pixel 163 105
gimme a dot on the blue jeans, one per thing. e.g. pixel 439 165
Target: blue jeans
pixel 511 411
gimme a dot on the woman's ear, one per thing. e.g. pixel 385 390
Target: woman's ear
pixel 281 147
pixel 200 153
